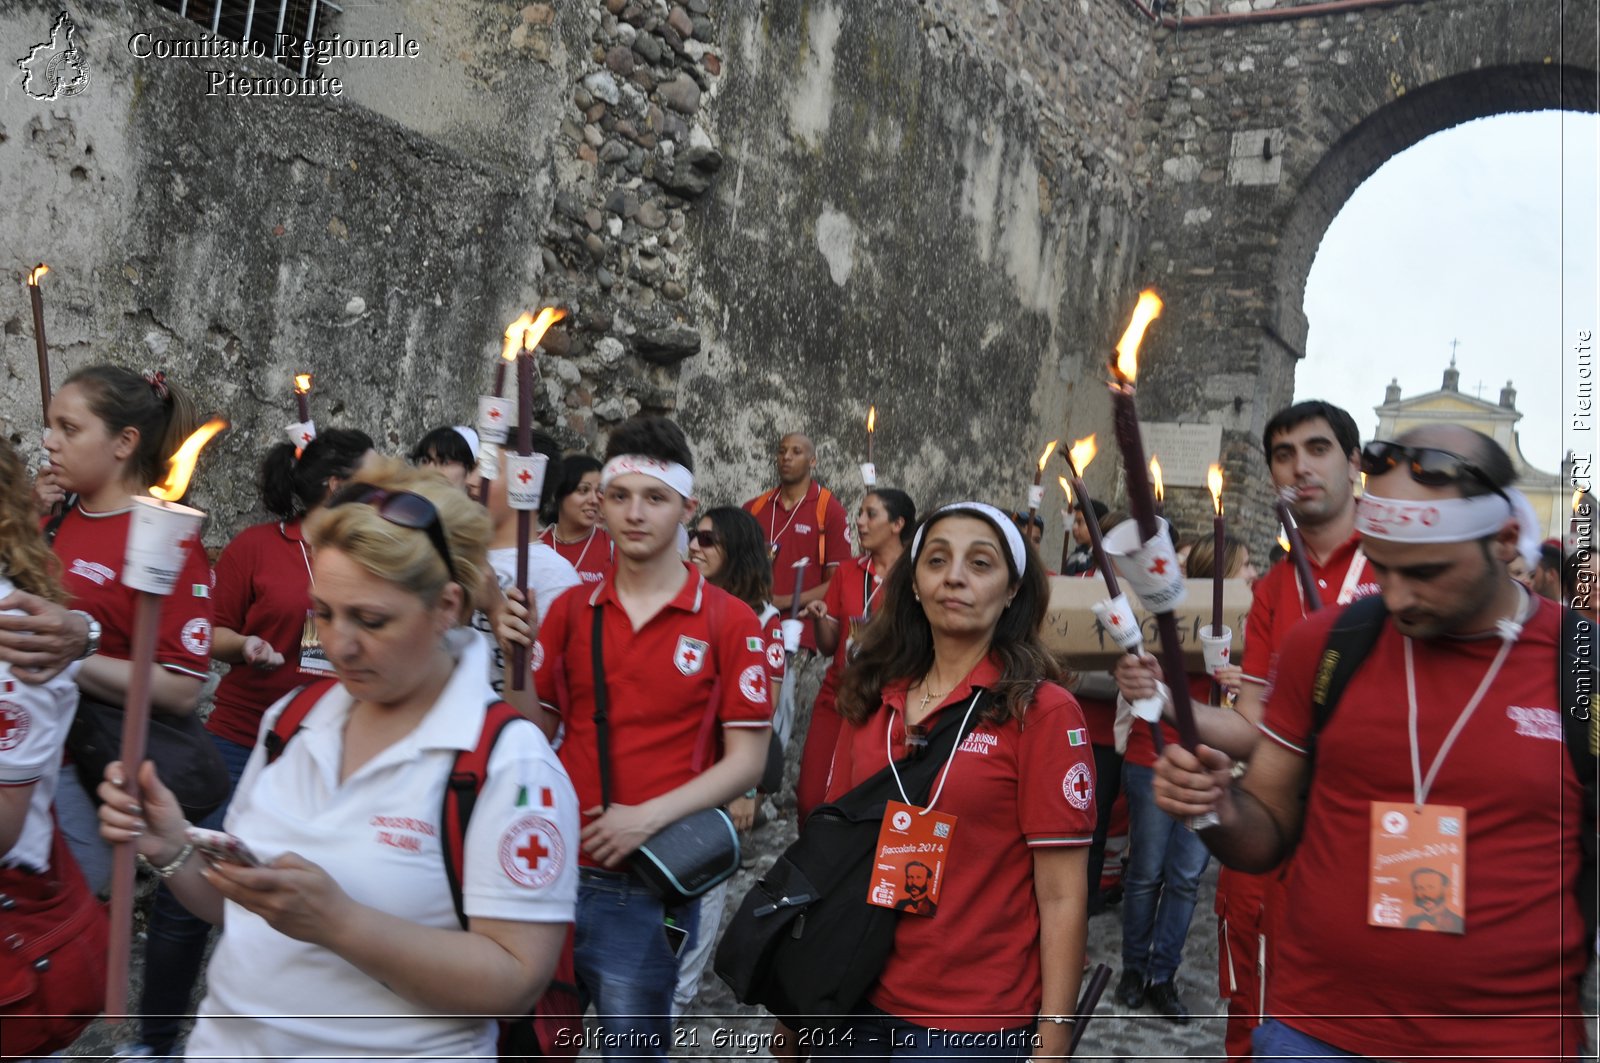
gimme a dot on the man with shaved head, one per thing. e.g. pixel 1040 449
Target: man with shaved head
pixel 801 519
pixel 1448 739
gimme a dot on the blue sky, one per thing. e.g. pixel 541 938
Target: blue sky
pixel 1485 233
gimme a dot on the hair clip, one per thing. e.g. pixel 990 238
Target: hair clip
pixel 158 384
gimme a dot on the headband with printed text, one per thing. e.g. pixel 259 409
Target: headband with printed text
pixel 670 473
pixel 1432 520
pixel 1007 529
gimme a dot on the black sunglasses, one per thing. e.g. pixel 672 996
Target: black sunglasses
pixel 407 509
pixel 706 538
pixel 1428 466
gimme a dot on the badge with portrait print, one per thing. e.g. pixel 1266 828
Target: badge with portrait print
pixel 313 661
pixel 1417 871
pixel 913 850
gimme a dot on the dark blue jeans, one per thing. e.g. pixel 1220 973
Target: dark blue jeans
pixel 175 942
pixel 874 1034
pixel 1165 862
pixel 1284 1044
pixel 624 965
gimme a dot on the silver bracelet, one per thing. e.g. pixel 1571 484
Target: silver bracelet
pixel 173 868
pixel 1060 1020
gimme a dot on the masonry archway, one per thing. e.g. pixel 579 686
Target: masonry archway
pixel 1262 133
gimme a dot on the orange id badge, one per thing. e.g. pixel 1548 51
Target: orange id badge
pixel 913 849
pixel 1418 867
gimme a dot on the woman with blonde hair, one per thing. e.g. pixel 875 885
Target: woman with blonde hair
pixel 350 910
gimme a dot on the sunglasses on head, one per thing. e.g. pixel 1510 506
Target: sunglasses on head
pixel 1428 466
pixel 705 538
pixel 407 509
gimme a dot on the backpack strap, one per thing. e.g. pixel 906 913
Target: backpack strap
pixel 301 701
pixel 824 496
pixel 1350 639
pixel 467 776
pixel 763 500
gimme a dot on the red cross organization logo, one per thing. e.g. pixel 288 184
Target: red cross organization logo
pixel 524 476
pixel 532 852
pixel 196 636
pixel 14 724
pixel 1159 566
pixel 1078 787
pixel 494 413
pixel 690 656
pixel 753 684
pixel 775 655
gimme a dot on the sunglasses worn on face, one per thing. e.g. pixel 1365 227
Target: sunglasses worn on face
pixel 406 509
pixel 1428 466
pixel 705 538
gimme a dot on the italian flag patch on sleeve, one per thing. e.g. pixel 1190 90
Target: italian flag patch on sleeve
pixel 1077 736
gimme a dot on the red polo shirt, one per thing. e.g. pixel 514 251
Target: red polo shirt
pixel 1012 787
pixel 591 555
pixel 263 589
pixel 1506 989
pixel 1278 604
pixel 91 549
pixel 700 661
pixel 797 533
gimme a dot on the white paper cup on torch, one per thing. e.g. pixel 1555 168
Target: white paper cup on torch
pixel 525 480
pixel 495 418
pixel 158 540
pixel 1150 568
pixel 488 460
pixel 1217 649
pixel 869 474
pixel 1116 615
pixel 300 433
pixel 792 627
pixel 1035 496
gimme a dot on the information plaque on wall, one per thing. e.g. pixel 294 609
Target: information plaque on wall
pixel 1185 450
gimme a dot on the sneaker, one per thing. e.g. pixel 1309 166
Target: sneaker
pixel 1164 1000
pixel 1130 989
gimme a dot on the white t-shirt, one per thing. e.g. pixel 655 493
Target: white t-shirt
pixel 549 575
pixel 378 835
pixel 33 731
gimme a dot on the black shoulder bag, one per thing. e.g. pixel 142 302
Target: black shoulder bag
pixel 805 943
pixel 686 857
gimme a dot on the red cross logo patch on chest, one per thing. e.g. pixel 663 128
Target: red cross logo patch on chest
pixel 690 655
pixel 532 853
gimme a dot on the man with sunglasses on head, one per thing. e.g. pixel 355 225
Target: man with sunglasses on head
pixel 1448 739
pixel 677 656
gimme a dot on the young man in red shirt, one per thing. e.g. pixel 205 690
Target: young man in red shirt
pixel 679 656
pixel 1477 765
pixel 801 519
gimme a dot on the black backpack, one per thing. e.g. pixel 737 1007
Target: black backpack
pixel 805 943
pixel 1356 631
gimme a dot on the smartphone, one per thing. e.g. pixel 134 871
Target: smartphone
pixel 677 936
pixel 221 847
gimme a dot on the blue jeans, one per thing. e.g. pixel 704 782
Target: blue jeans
pixel 1165 862
pixel 79 819
pixel 175 943
pixel 874 1034
pixel 1284 1044
pixel 624 965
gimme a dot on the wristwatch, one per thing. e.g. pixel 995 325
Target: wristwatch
pixel 92 646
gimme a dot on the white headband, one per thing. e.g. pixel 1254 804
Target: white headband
pixel 1008 530
pixel 471 438
pixel 670 473
pixel 1442 520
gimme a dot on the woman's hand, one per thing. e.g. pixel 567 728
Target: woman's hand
pixel 259 654
pixel 742 810
pixel 47 491
pixel 1229 677
pixel 296 897
pixel 156 824
pixel 1137 676
pixel 614 836
pixel 512 628
pixel 817 610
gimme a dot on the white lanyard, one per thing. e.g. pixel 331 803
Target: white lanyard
pixel 772 518
pixel 888 745
pixel 1510 631
pixel 1347 590
pixel 555 543
pixel 284 527
pixel 869 579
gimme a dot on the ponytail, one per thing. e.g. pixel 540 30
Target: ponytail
pixel 161 412
pixel 291 487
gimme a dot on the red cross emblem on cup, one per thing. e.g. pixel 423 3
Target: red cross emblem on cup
pixel 524 476
pixel 494 413
pixel 1159 566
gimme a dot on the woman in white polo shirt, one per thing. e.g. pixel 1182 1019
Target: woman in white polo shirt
pixel 347 943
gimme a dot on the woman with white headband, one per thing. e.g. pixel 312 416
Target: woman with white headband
pixel 990 941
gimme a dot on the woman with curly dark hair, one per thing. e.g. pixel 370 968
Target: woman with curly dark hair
pixel 1003 920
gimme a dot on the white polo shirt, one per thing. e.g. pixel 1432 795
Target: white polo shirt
pixel 378 835
pixel 549 576
pixel 33 731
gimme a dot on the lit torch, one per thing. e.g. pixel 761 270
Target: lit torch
pixel 36 297
pixel 1066 523
pixel 1036 491
pixel 303 431
pixel 525 470
pixel 1160 486
pixel 869 471
pixel 1219 541
pixel 1078 458
pixel 1142 504
pixel 161 535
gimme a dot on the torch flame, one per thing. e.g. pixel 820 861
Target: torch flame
pixel 1081 454
pixel 180 467
pixel 525 332
pixel 1214 484
pixel 872 418
pixel 1155 474
pixel 1048 450
pixel 38 271
pixel 1148 309
pixel 1066 488
pixel 1283 541
pixel 302 383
